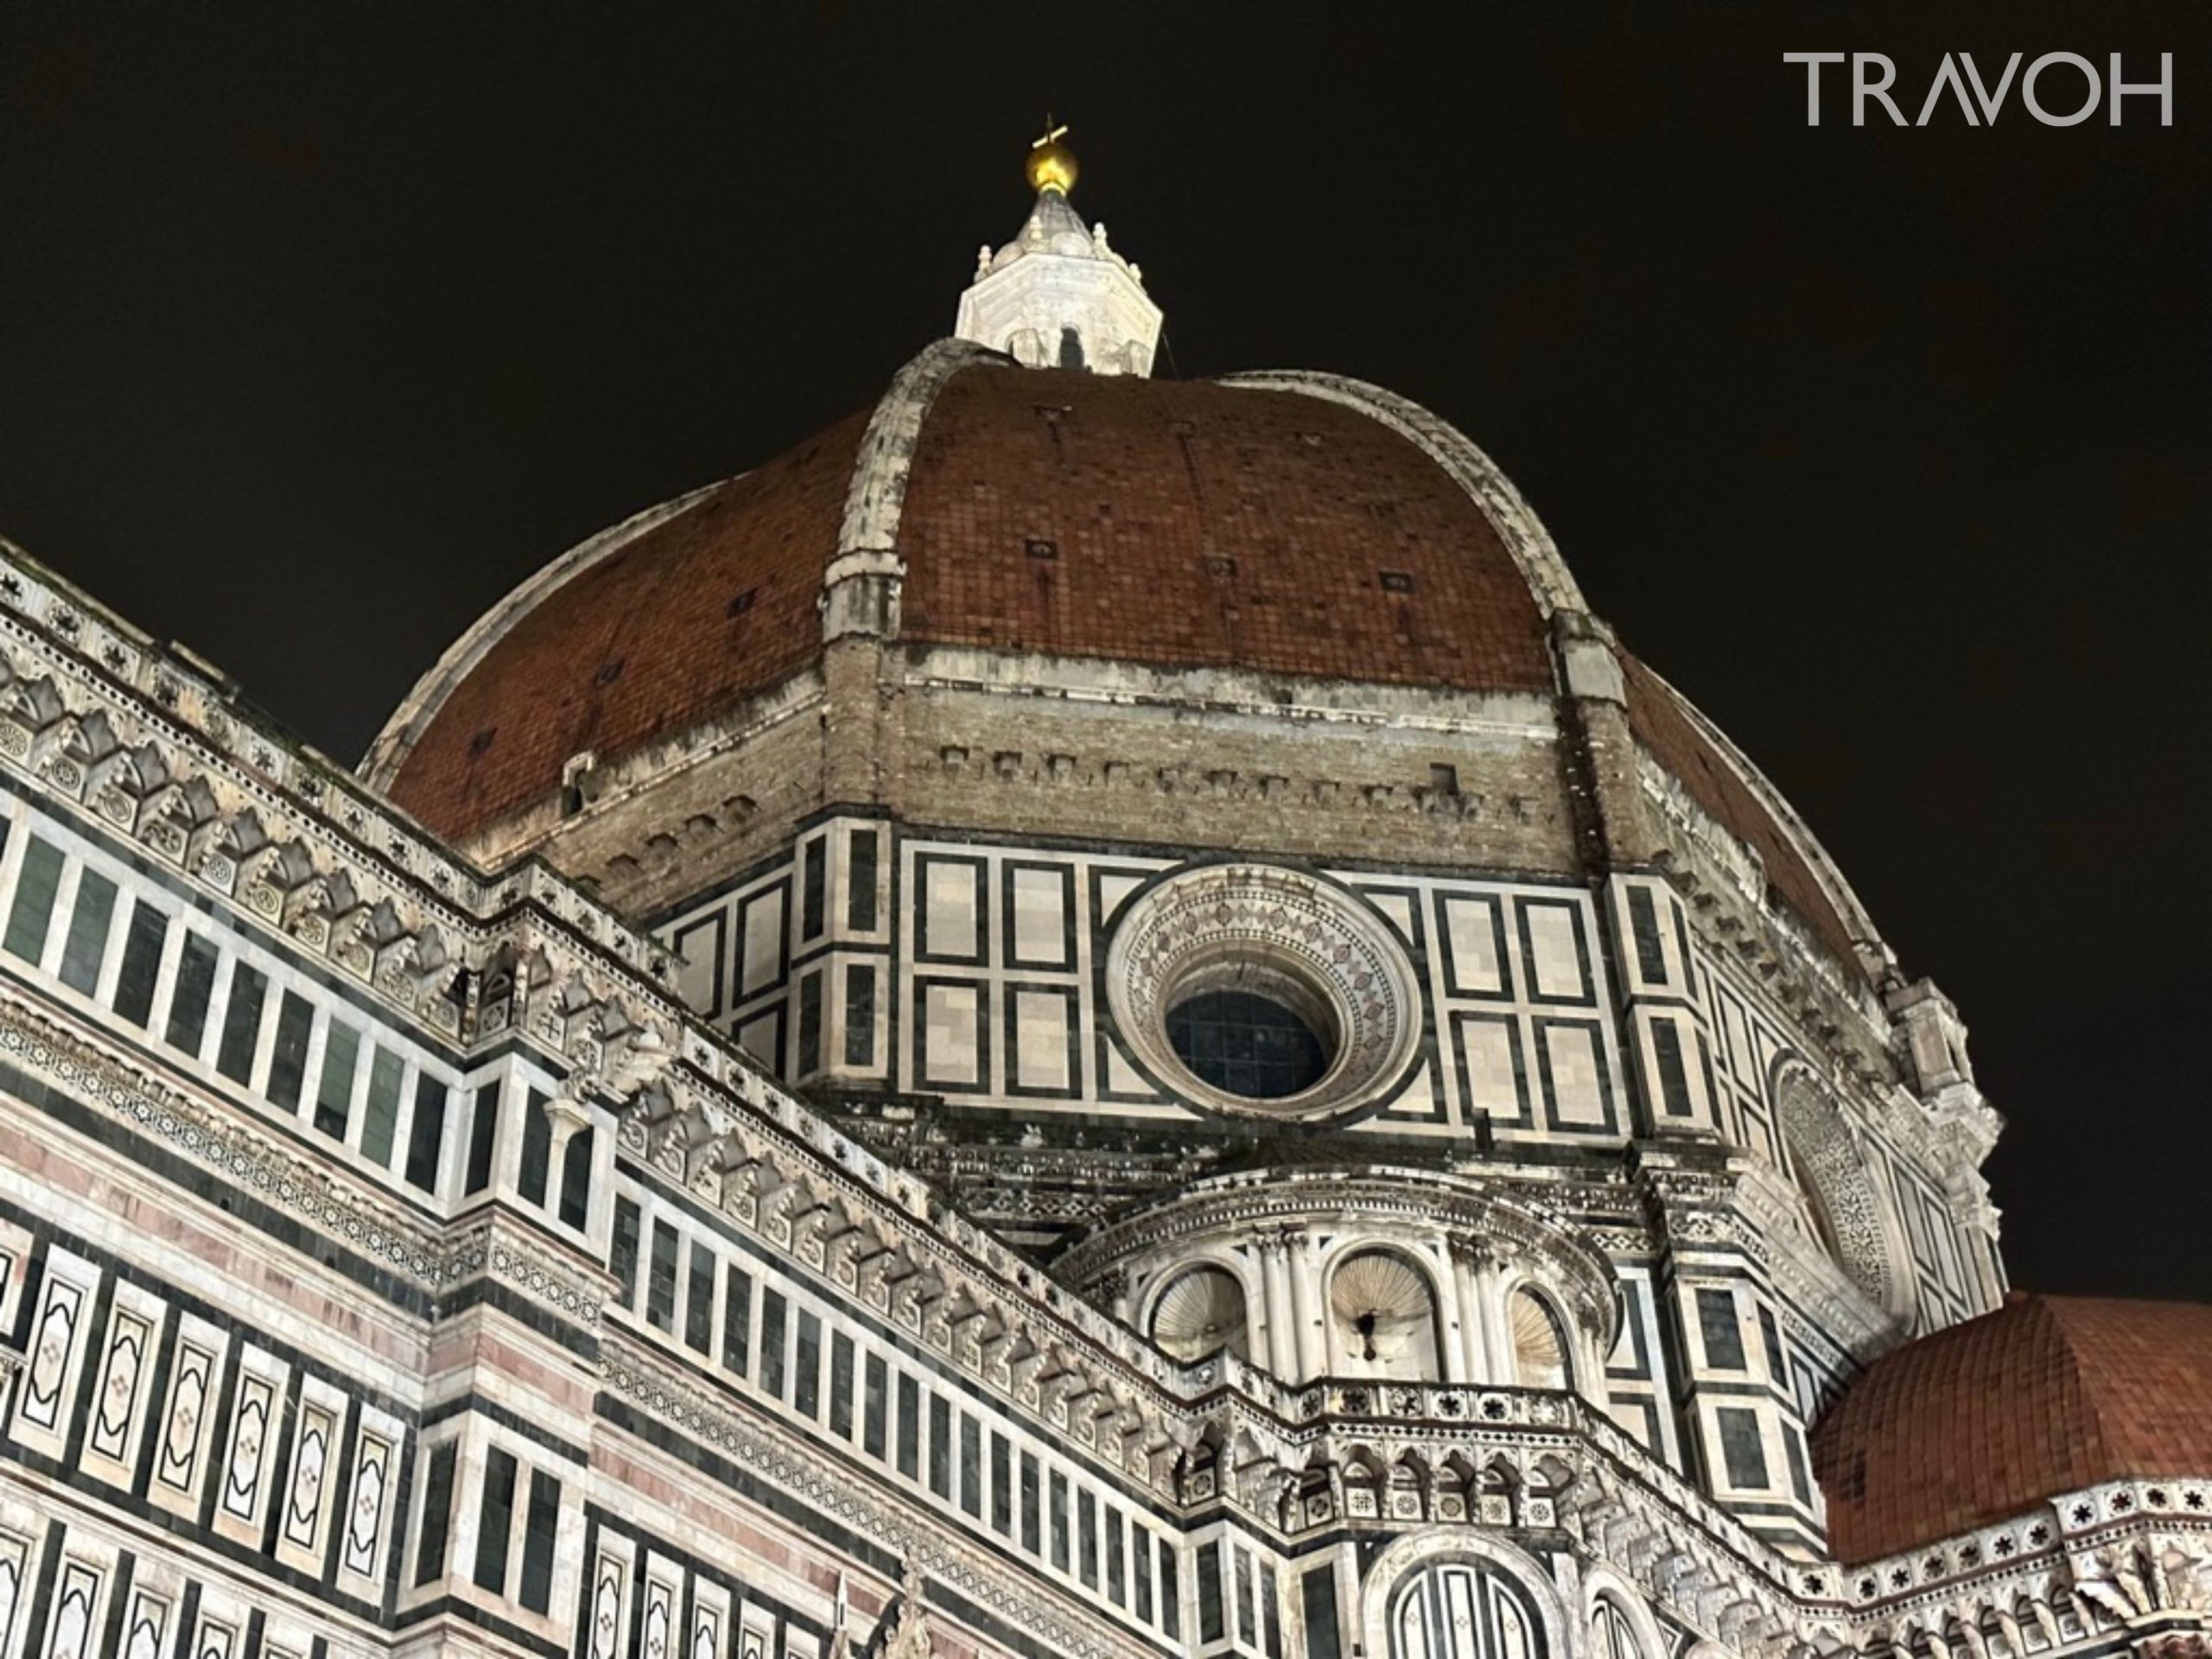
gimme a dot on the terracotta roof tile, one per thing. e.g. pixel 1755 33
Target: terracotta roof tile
pixel 1184 523
pixel 696 614
pixel 1983 1422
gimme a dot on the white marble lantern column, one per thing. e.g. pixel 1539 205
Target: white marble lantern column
pixel 1275 1290
pixel 1472 1352
pixel 1498 1334
pixel 1312 1348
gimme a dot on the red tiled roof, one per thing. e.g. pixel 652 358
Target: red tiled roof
pixel 1175 524
pixel 1661 722
pixel 654 637
pixel 1186 523
pixel 1984 1421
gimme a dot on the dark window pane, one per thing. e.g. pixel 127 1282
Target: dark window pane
pixel 483 1139
pixel 1058 1515
pixel 575 1179
pixel 910 1426
pixel 940 1445
pixel 806 1381
pixel 1793 1449
pixel 537 1149
pixel 33 912
pixel 840 1386
pixel 660 1277
pixel 1741 1449
pixel 426 1136
pixel 195 988
pixel 242 1023
pixel 380 1107
pixel 539 1530
pixel 1777 1372
pixel 1002 1485
pixel 622 1254
pixel 971 1465
pixel 1118 1589
pixel 1318 1591
pixel 860 1014
pixel 1141 1562
pixel 810 1023
pixel 814 879
pixel 1212 1617
pixel 1643 924
pixel 860 905
pixel 495 1521
pixel 699 1300
pixel 774 1312
pixel 1171 1594
pixel 437 1514
pixel 1247 1044
pixel 872 1408
pixel 1724 1337
pixel 1271 1611
pixel 1674 1082
pixel 1086 1539
pixel 86 945
pixel 288 1055
pixel 737 1322
pixel 141 963
pixel 1031 1526
pixel 1245 1633
pixel 334 1096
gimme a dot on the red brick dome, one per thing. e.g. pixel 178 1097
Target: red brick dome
pixel 1281 524
pixel 1981 1423
pixel 1179 523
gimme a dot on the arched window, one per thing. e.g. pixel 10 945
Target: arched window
pixel 1462 1611
pixel 1612 1637
pixel 1538 1343
pixel 1201 1311
pixel 1385 1318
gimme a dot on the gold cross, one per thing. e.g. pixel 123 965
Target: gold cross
pixel 1052 134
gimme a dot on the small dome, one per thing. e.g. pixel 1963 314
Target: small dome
pixel 1984 1421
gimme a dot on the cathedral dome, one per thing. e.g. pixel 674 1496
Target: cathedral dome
pixel 1026 512
pixel 1303 527
pixel 1983 1422
pixel 1182 524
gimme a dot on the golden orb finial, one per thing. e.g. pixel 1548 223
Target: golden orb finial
pixel 1051 163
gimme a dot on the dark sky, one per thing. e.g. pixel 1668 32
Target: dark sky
pixel 322 325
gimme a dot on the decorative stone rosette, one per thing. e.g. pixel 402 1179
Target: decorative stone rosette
pixel 1294 937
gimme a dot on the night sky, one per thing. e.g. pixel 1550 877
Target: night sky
pixel 322 325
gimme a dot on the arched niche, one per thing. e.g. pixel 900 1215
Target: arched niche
pixel 1382 1317
pixel 1542 1357
pixel 1201 1311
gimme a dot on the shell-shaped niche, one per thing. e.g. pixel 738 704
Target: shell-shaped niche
pixel 1539 1349
pixel 1201 1311
pixel 1385 1314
